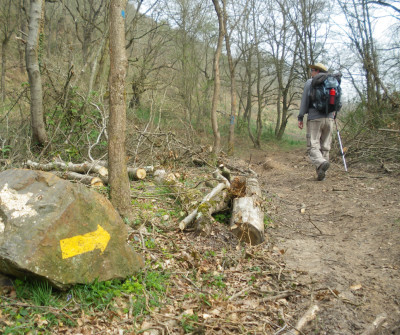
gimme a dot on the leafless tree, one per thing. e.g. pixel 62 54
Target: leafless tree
pixel 392 4
pixel 256 138
pixel 8 24
pixel 148 59
pixel 283 44
pixel 310 20
pixel 193 34
pixel 217 76
pixel 87 16
pixel 118 175
pixel 253 78
pixel 232 24
pixel 39 136
pixel 360 32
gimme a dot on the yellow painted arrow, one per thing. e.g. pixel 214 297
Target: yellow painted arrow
pixel 80 244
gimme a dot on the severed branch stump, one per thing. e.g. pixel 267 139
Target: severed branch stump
pixel 137 173
pixel 215 201
pixel 247 220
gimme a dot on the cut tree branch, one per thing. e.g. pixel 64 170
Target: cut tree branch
pixel 195 214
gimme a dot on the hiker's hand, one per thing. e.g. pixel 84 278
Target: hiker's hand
pixel 301 124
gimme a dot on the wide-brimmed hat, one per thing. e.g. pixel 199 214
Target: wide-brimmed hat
pixel 319 66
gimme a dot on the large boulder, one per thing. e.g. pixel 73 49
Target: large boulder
pixel 62 232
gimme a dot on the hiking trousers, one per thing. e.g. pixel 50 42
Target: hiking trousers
pixel 319 138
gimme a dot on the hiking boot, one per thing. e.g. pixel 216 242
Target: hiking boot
pixel 321 170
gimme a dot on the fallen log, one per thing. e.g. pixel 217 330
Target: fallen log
pixel 204 219
pixel 247 220
pixel 205 208
pixel 5 161
pixel 99 168
pixel 137 173
pixel 225 172
pixel 213 202
pixel 244 172
pixel 149 169
pixel 82 178
pixel 163 177
pixel 198 161
pixel 79 168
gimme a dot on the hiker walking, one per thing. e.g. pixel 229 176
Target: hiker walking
pixel 319 120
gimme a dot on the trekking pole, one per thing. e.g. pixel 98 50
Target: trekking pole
pixel 341 147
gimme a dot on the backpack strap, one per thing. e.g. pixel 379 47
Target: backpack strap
pixel 338 77
pixel 316 80
pixel 319 79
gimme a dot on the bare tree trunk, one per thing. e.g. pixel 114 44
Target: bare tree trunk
pixel 231 138
pixel 217 79
pixel 87 16
pixel 103 64
pixel 118 174
pixel 4 45
pixel 248 108
pixel 8 25
pixel 87 40
pixel 358 17
pixel 257 136
pixel 39 136
pixel 95 65
pixel 22 28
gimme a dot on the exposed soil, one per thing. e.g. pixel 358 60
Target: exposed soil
pixel 339 236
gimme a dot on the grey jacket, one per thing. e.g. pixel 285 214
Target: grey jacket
pixel 305 105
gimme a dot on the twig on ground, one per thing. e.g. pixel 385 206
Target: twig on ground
pixel 315 226
pixel 374 327
pixel 310 315
pixel 283 295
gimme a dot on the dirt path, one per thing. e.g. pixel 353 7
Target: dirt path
pixel 340 237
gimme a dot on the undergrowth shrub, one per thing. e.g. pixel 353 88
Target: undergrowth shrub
pixel 371 137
